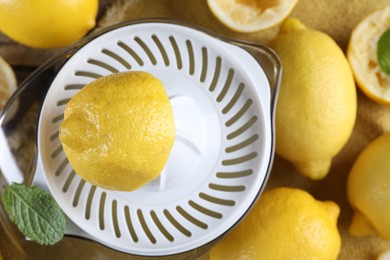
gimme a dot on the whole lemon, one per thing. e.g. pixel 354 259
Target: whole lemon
pixel 118 130
pixel 286 223
pixel 368 190
pixel 317 102
pixel 47 24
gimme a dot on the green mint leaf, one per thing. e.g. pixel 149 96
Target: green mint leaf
pixel 35 213
pixel 383 51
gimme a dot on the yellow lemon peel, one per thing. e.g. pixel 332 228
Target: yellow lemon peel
pixel 368 190
pixel 317 102
pixel 118 130
pixel 47 24
pixel 286 223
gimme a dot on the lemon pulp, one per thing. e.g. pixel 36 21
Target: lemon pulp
pixel 362 55
pixel 250 15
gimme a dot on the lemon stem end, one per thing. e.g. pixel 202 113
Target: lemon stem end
pixel 315 170
pixel 291 25
pixel 360 225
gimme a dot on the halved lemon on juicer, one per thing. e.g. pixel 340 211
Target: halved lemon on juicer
pixel 251 15
pixel 118 130
pixel 369 46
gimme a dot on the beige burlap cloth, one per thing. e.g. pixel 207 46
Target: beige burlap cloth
pixel 336 18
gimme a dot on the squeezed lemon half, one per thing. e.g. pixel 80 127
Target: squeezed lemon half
pixel 251 15
pixel 362 55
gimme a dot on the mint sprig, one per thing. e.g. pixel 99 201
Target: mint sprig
pixel 35 213
pixel 383 52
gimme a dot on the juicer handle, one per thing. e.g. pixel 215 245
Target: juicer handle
pixel 19 123
pixel 271 65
